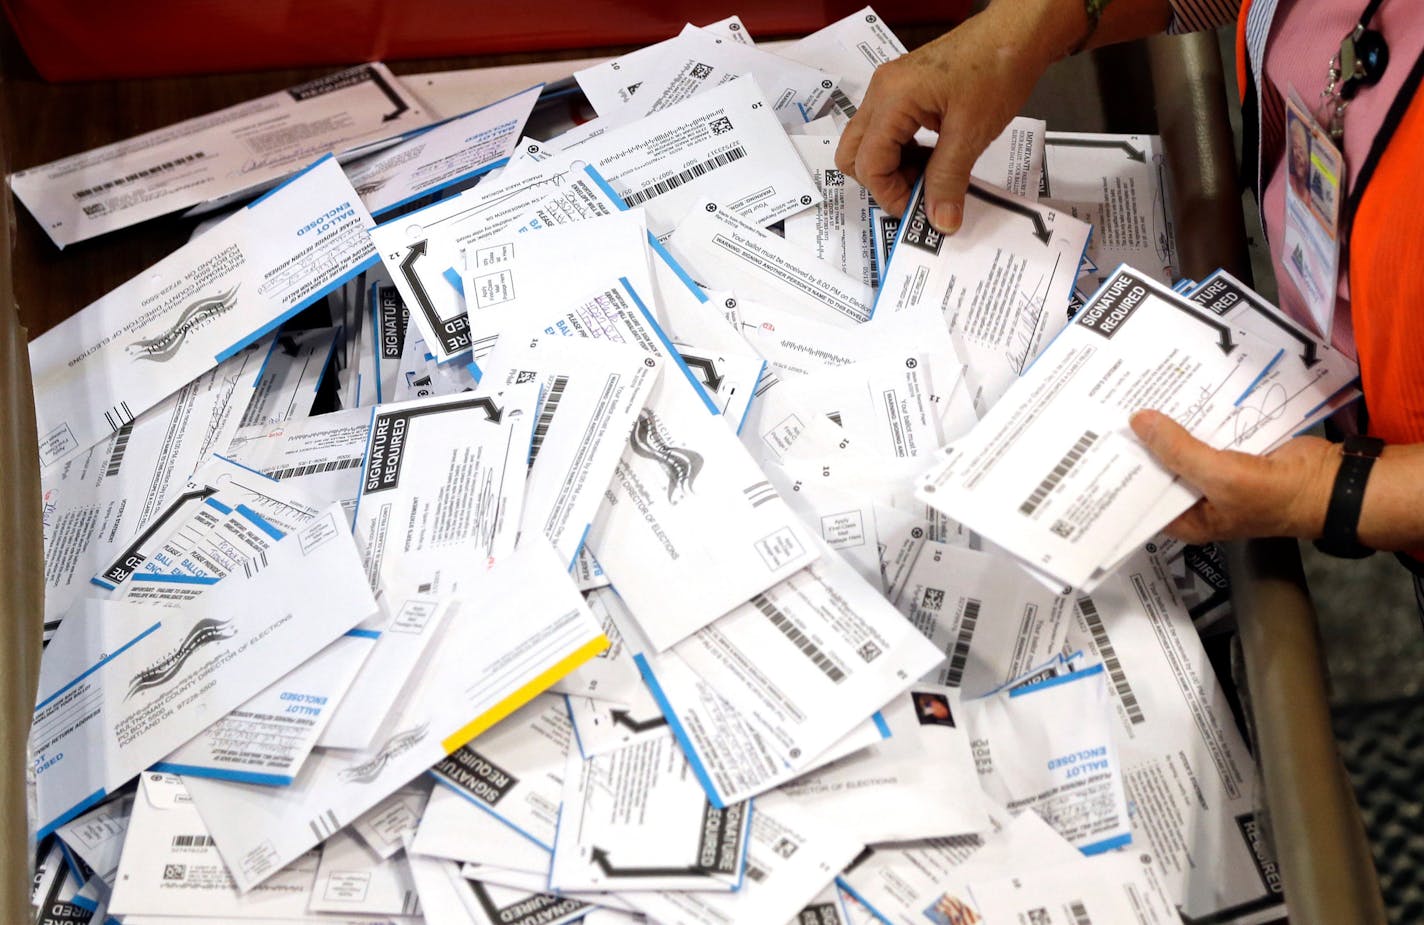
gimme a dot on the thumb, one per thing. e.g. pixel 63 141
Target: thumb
pixel 1174 446
pixel 946 179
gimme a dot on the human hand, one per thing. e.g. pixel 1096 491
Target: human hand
pixel 966 85
pixel 1284 493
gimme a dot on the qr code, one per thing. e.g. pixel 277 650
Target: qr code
pixel 785 847
pixel 721 126
pixel 1039 916
pixel 1062 528
pixel 174 871
pixel 870 651
pixel 525 375
pixel 834 178
pixel 701 71
pixel 933 599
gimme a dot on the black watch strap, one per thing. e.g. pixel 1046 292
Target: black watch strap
pixel 1342 519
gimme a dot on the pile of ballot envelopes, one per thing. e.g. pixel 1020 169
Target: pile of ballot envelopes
pixel 639 524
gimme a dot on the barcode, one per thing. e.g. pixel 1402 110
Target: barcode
pixel 798 638
pixel 1089 610
pixel 1079 913
pixel 755 873
pixel 140 174
pixel 121 443
pixel 692 173
pixel 960 656
pixel 192 841
pixel 546 416
pixel 842 102
pixel 1065 465
pixel 312 468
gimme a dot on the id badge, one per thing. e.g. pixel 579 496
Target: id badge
pixel 1315 179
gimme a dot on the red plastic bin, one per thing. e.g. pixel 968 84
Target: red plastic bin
pixel 70 40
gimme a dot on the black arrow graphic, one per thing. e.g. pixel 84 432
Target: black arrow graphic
pixel 452 340
pixel 1308 355
pixel 709 370
pixel 1132 153
pixel 400 105
pixel 1224 332
pixel 600 857
pixel 130 559
pixel 621 718
pixel 1040 228
pixel 531 908
pixel 492 411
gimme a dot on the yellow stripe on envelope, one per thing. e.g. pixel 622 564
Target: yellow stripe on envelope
pixel 542 682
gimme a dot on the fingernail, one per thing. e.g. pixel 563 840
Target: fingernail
pixel 946 217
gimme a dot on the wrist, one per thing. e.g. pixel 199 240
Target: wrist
pixel 1038 33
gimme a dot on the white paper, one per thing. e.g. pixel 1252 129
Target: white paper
pixel 604 843
pixel 102 367
pixel 93 732
pixel 447 154
pixel 724 251
pixel 234 151
pixel 1002 281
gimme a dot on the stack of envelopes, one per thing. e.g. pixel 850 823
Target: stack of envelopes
pixel 639 524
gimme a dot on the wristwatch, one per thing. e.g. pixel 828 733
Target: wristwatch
pixel 1342 518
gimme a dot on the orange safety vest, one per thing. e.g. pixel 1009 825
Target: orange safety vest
pixel 1386 267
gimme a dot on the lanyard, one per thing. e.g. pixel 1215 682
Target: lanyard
pixel 1360 63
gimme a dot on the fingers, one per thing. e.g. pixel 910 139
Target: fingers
pixel 1175 448
pixel 946 179
pixel 880 160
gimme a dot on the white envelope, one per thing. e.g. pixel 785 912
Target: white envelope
pixel 516 770
pixel 105 365
pixel 724 251
pixel 235 151
pixel 88 513
pixel 455 827
pixel 918 783
pixel 602 845
pixel 698 60
pixel 497 652
pixel 351 879
pixel 609 84
pixel 792 854
pixel 1002 281
pixel 444 155
pixel 122 689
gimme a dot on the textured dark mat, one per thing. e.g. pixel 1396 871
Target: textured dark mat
pixel 1382 745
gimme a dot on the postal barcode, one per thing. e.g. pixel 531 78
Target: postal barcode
pixel 842 102
pixel 960 656
pixel 333 465
pixel 1065 465
pixel 192 841
pixel 1089 611
pixel 140 174
pixel 121 443
pixel 1079 913
pixel 799 639
pixel 641 196
pixel 546 417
